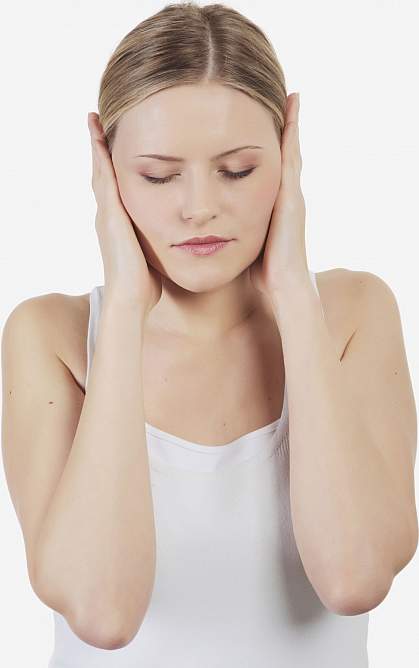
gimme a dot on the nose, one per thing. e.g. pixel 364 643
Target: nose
pixel 200 216
pixel 199 201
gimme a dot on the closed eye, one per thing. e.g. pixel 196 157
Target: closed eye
pixel 227 175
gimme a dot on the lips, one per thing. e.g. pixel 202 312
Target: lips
pixel 202 240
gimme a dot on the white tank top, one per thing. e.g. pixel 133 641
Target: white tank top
pixel 230 590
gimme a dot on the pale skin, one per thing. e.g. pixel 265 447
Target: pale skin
pixel 351 452
pixel 352 413
pixel 203 298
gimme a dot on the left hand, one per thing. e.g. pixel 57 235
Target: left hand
pixel 284 251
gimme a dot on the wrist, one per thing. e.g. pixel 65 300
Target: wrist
pixel 291 285
pixel 121 305
pixel 295 298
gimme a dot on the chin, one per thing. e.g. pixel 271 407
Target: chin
pixel 199 284
pixel 194 279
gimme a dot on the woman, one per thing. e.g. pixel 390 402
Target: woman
pixel 228 481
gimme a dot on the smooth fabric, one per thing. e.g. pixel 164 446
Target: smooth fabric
pixel 230 589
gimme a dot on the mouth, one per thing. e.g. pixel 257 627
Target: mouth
pixel 211 239
pixel 201 248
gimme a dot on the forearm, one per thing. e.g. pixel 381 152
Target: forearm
pixel 345 513
pixel 96 551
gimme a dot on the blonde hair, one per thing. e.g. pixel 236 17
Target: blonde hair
pixel 185 43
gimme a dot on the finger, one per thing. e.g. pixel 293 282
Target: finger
pixel 290 138
pixel 290 144
pixel 98 140
pixel 102 162
pixel 95 160
pixel 93 140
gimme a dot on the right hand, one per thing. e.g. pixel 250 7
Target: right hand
pixel 128 277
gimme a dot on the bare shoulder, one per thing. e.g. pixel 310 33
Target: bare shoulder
pixel 351 289
pixel 63 319
pixel 349 279
pixel 344 294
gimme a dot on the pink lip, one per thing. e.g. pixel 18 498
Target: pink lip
pixel 203 240
pixel 203 248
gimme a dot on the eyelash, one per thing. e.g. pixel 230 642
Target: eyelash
pixel 232 176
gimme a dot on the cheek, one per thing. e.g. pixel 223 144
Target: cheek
pixel 150 239
pixel 263 200
pixel 143 207
pixel 267 193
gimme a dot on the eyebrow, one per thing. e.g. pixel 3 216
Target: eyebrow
pixel 172 158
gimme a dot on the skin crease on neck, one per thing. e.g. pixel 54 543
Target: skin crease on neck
pixel 204 298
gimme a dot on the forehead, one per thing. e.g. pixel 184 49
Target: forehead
pixel 208 114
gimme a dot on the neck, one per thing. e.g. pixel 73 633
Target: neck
pixel 206 316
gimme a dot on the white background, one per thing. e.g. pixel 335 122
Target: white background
pixel 355 66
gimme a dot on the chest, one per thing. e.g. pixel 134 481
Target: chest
pixel 214 393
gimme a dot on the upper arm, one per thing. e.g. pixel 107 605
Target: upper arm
pixel 376 366
pixel 42 403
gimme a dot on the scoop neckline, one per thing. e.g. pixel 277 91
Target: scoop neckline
pixel 217 447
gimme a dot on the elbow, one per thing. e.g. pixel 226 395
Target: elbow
pixel 105 631
pixel 109 638
pixel 105 624
pixel 357 595
pixel 349 599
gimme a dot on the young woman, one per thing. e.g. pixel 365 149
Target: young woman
pixel 211 455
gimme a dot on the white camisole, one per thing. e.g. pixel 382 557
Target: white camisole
pixel 230 590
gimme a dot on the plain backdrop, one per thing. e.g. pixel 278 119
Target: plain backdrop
pixel 355 66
